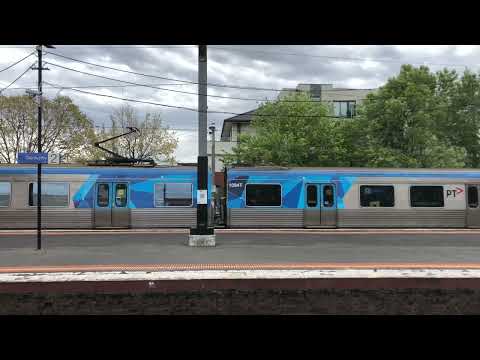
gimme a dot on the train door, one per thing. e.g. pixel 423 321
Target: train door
pixel 320 205
pixel 473 209
pixel 111 205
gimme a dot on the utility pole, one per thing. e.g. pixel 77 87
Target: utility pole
pixel 39 146
pixel 39 166
pixel 214 190
pixel 203 234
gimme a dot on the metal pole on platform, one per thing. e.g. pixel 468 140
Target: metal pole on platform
pixel 39 96
pixel 39 166
pixel 203 235
pixel 214 190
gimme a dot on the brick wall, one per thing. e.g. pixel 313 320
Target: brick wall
pixel 192 300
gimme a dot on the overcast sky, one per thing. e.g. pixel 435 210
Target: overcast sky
pixel 273 67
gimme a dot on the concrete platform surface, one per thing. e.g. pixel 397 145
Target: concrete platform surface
pixel 102 248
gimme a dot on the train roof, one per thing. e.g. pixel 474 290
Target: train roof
pixel 343 172
pixel 104 170
pixel 352 170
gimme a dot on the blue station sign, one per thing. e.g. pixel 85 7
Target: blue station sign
pixel 32 158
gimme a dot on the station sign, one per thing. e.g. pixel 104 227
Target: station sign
pixel 32 158
pixel 39 158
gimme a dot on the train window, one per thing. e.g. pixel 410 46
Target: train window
pixel 472 196
pixel 328 198
pixel 377 196
pixel 312 195
pixel 103 195
pixel 264 195
pixel 173 194
pixel 426 196
pixel 5 190
pixel 53 194
pixel 120 195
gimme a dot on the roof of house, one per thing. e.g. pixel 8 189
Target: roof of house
pixel 245 117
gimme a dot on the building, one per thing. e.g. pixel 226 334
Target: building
pixel 342 102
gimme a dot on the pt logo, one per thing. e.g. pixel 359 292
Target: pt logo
pixel 455 192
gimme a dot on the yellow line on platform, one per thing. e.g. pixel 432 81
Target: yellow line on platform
pixel 240 266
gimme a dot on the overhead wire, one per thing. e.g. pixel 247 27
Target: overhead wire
pixel 13 82
pixel 183 81
pixel 17 62
pixel 345 58
pixel 184 107
pixel 173 90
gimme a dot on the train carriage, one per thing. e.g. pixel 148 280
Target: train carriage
pixel 98 197
pixel 352 198
pixel 135 197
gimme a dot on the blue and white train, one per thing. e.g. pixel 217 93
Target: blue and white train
pixel 99 197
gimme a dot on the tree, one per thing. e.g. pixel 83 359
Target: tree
pixel 294 132
pixel 153 141
pixel 459 117
pixel 405 124
pixel 65 129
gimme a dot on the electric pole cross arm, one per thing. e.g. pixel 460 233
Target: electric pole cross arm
pixel 116 158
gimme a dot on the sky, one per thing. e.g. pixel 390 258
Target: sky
pixel 269 66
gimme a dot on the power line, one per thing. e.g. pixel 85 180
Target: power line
pixel 144 128
pixel 177 91
pixel 187 108
pixel 334 57
pixel 95 86
pixel 184 81
pixel 19 61
pixel 13 82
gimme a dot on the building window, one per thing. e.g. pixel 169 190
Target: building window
pixel 53 194
pixel 377 196
pixel 5 190
pixel 426 196
pixel 472 196
pixel 344 108
pixel 173 194
pixel 264 195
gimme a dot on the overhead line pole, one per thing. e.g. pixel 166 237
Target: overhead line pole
pixel 39 96
pixel 203 234
pixel 39 166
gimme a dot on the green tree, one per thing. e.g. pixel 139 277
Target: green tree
pixel 295 132
pixel 66 130
pixel 459 114
pixel 405 125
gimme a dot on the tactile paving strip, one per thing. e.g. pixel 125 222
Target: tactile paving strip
pixel 240 266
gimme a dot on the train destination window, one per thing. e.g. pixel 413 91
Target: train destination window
pixel 103 195
pixel 328 196
pixel 120 195
pixel 472 196
pixel 311 195
pixel 5 189
pixel 53 194
pixel 173 194
pixel 264 195
pixel 426 196
pixel 377 196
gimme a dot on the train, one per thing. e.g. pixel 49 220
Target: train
pixel 95 197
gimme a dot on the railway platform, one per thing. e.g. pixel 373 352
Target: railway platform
pixel 268 271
